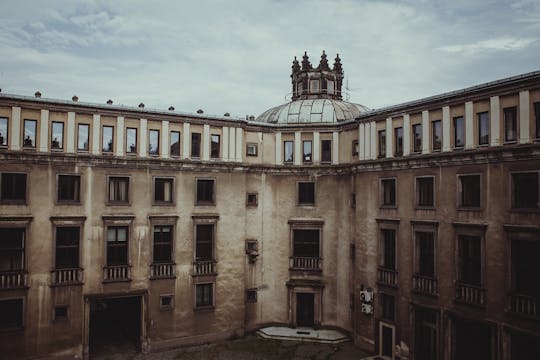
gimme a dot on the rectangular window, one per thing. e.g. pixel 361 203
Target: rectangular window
pixel 69 188
pixel 470 259
pixel 251 295
pixel 251 199
pixel 175 143
pixel 166 302
pixel 117 245
pixel 251 149
pixel 459 132
pixel 30 133
pixel 387 307
pixel 329 86
pixel 204 295
pixel 289 151
pixel 525 267
pixel 306 153
pixel 382 143
pixel 3 131
pixel 469 188
pixel 83 136
pixel 163 190
pixel 536 120
pixel 510 124
pixel 118 189
pixel 163 244
pixel 425 191
pixel 483 128
pixel 314 86
pixel 437 135
pixel 388 192
pixel 306 243
pixel 60 313
pixel 107 143
pixel 205 191
pixel 13 188
pixel 388 256
pixel 214 146
pixel 153 142
pixel 417 137
pixel 195 145
pixel 57 135
pixel 326 151
pixel 204 242
pixel 425 252
pixel 12 249
pixel 399 141
pixel 355 148
pixel 11 314
pixel 131 140
pixel 306 193
pixel 67 248
pixel 525 190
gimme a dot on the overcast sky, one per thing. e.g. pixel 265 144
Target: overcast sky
pixel 235 56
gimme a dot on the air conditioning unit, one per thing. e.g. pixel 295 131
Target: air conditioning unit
pixel 366 295
pixel 367 309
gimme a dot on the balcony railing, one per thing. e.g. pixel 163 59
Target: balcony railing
pixel 470 294
pixel 425 285
pixel 305 263
pixel 117 273
pixel 162 271
pixel 387 276
pixel 73 276
pixel 13 279
pixel 525 305
pixel 204 267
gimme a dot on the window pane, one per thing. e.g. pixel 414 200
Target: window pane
pixel 459 132
pixel 163 190
pixel 13 187
pixel 389 249
pixel 3 131
pixel 326 151
pixel 470 190
pixel 289 154
pixel 30 133
pixel 399 141
pixel 153 142
pixel 131 140
pixel 214 147
pixel 107 139
pixel 389 191
pixel 426 253
pixel 510 124
pixel 68 187
pixel 204 242
pixel 417 134
pixel 306 243
pixel 382 143
pixel 67 248
pixel 57 135
pixel 205 191
pixel 195 144
pixel 307 151
pixel 483 128
pixel 175 143
pixel 82 137
pixel 424 189
pixel 525 190
pixel 306 193
pixel 437 135
pixel 11 314
pixel 11 249
pixel 537 119
pixel 470 259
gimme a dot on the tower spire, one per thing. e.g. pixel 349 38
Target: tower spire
pixel 323 65
pixel 306 65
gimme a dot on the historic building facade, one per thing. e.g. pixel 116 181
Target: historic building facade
pixel 414 228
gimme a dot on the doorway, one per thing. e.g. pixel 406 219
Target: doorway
pixel 472 341
pixel 387 340
pixel 425 334
pixel 115 325
pixel 305 309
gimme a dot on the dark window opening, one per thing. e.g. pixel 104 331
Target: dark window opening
pixel 526 267
pixel 326 151
pixel 459 132
pixel 510 124
pixel 537 120
pixel 425 334
pixel 205 191
pixel 12 249
pixel 251 149
pixel 388 192
pixel 153 142
pixel 11 314
pixel 353 200
pixel 387 307
pixel 306 193
pixel 166 302
pixel 204 295
pixel 83 135
pixel 175 143
pixel 117 245
pixel 214 146
pixel 425 243
pixel 204 242
pixel 306 153
pixel 388 258
pixel 424 191
pixel 251 295
pixel 13 187
pixel 131 140
pixel 306 243
pixel 60 312
pixel 163 190
pixel 163 244
pixel 108 142
pixel 470 259
pixel 525 190
pixel 195 145
pixel 355 148
pixel 437 134
pixel 382 143
pixel 251 199
pixel 470 190
pixel 417 137
pixel 399 141
pixel 3 131
pixel 69 187
pixel 57 135
pixel 289 151
pixel 483 128
pixel 67 247
pixel 118 189
pixel 30 128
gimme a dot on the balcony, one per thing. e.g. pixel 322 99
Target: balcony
pixel 13 279
pixel 61 277
pixel 204 267
pixel 305 263
pixel 387 277
pixel 525 305
pixel 470 294
pixel 117 273
pixel 426 285
pixel 163 271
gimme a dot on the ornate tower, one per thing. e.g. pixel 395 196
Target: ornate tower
pixel 316 83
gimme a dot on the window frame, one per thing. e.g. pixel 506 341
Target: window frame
pixel 118 202
pixel 166 307
pixel 420 227
pixel 24 226
pixel 129 147
pixel 195 145
pixel 179 143
pixel 326 159
pixel 252 203
pixel 11 201
pixel 34 145
pixel 536 110
pixel 382 192
pixel 381 254
pixel 87 149
pixel 111 144
pixel 398 144
pixel 512 205
pixel 417 203
pixel 298 200
pixel 381 142
pixel 163 224
pixel 510 110
pixel 307 158
pixel 382 314
pixel 23 314
pixel 155 153
pixel 215 150
pixel 355 148
pixel 60 146
pixel 285 144
pixel 251 145
pixel 172 181
pixel 460 193
pixel 77 200
pixel 5 137
pixel 417 149
pixel 117 225
pixel 436 125
pixel 63 224
pixel 211 202
pixel 479 118
pixel 470 231
pixel 56 318
pixel 205 305
pixel 459 129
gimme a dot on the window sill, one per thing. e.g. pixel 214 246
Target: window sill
pixel 29 148
pixel 510 142
pixel 118 204
pixel 388 207
pixel 425 207
pixel 470 208
pixel 68 202
pixel 204 203
pixel 163 203
pixel 131 154
pixel 83 151
pixel 57 150
pixel 206 308
pixel 13 202
pixel 524 210
pixel 311 205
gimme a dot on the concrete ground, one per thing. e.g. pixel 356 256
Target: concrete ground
pixel 251 348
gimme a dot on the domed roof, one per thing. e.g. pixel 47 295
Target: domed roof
pixel 312 111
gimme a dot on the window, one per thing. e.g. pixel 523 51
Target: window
pixel 329 86
pixel 355 148
pixel 214 146
pixel 483 128
pixel 525 190
pixel 437 135
pixel 131 140
pixel 470 259
pixel 11 314
pixel 3 131
pixel 388 249
pixel 306 193
pixel 204 295
pixel 469 189
pixel 510 124
pixel 425 253
pixel 353 200
pixel 30 133
pixel 382 143
pixel 306 243
pixel 166 302
pixel 163 244
pixel 387 307
pixel 83 135
pixel 153 142
pixel 251 295
pixel 306 154
pixel 13 188
pixel 399 141
pixel 195 145
pixel 537 119
pixel 107 144
pixel 118 189
pixel 251 149
pixel 326 151
pixel 57 135
pixel 388 194
pixel 525 266
pixel 417 137
pixel 175 143
pixel 459 132
pixel 60 313
pixel 314 85
pixel 117 245
pixel 12 249
pixel 67 248
pixel 205 191
pixel 163 190
pixel 289 151
pixel 251 199
pixel 69 187
pixel 425 191
pixel 204 242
